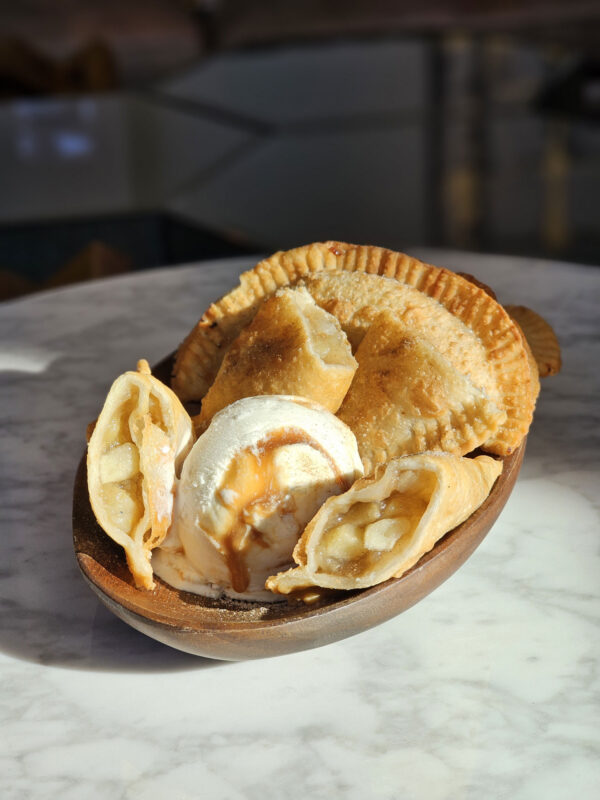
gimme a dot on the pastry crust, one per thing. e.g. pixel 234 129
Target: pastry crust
pixel 382 525
pixel 136 449
pixel 201 353
pixel 540 337
pixel 291 347
pixel 406 398
pixel 365 297
pixel 476 282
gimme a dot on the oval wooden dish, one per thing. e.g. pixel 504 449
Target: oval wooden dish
pixel 233 630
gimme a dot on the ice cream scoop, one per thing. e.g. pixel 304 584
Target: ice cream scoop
pixel 249 486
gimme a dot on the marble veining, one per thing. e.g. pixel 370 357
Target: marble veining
pixel 488 688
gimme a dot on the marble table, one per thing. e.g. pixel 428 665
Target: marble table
pixel 488 688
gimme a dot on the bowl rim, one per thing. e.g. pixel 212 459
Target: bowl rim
pixel 201 617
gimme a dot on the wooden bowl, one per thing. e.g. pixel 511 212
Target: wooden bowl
pixel 234 630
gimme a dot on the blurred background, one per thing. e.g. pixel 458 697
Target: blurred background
pixel 142 133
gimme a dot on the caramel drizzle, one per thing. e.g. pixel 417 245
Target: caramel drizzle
pixel 238 540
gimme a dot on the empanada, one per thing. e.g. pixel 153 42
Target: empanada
pixel 541 339
pixel 382 525
pixel 476 282
pixel 291 347
pixel 200 355
pixel 357 299
pixel 137 447
pixel 406 398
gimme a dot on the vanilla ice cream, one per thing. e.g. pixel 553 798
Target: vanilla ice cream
pixel 249 486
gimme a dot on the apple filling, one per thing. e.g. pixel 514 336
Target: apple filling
pixel 132 455
pixel 357 538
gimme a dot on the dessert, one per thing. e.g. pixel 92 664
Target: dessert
pixel 406 397
pixel 199 356
pixel 252 481
pixel 440 368
pixel 135 451
pixel 291 347
pixel 357 299
pixel 201 352
pixel 384 524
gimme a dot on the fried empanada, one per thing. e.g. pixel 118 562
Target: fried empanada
pixel 291 347
pixel 541 339
pixel 406 398
pixel 200 355
pixel 382 525
pixel 136 449
pixel 476 282
pixel 357 300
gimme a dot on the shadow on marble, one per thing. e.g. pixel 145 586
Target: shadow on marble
pixel 48 614
pixel 53 619
pixel 59 635
pixel 135 652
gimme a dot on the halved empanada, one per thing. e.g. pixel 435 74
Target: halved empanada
pixel 201 353
pixel 382 525
pixel 137 447
pixel 406 398
pixel 291 347
pixel 357 300
pixel 541 339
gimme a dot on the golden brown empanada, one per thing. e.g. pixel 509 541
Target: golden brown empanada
pixel 382 525
pixel 200 355
pixel 476 282
pixel 406 398
pixel 291 347
pixel 138 445
pixel 364 297
pixel 541 339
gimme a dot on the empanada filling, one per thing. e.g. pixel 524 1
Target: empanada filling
pixel 121 476
pixel 355 541
pixel 325 336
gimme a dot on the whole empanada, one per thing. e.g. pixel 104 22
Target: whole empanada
pixel 136 449
pixel 291 347
pixel 382 525
pixel 406 398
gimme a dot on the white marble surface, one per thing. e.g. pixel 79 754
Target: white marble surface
pixel 488 688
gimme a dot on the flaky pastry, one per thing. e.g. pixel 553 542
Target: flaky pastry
pixel 136 449
pixel 406 398
pixel 291 347
pixel 384 524
pixel 533 365
pixel 200 355
pixel 541 339
pixel 357 299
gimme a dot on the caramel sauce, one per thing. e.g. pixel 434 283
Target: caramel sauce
pixel 253 479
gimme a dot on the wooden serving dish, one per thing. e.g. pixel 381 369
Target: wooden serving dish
pixel 234 630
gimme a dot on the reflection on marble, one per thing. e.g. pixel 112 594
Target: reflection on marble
pixel 488 688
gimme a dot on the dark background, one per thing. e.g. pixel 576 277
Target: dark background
pixel 137 134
